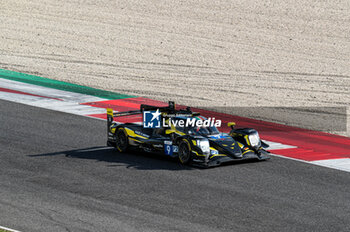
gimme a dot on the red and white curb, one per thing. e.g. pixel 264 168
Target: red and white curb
pixel 48 98
pixel 92 106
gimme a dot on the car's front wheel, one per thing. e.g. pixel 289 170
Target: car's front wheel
pixel 122 142
pixel 185 152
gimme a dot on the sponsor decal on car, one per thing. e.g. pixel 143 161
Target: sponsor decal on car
pixel 142 134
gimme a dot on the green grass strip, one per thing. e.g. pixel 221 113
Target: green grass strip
pixel 61 85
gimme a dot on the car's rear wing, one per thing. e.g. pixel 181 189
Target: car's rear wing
pixel 170 109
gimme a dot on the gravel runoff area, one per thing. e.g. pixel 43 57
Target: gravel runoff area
pixel 200 53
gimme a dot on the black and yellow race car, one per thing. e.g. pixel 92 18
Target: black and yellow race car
pixel 191 144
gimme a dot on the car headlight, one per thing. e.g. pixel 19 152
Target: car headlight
pixel 204 145
pixel 254 139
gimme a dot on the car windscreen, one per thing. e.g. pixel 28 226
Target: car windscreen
pixel 192 128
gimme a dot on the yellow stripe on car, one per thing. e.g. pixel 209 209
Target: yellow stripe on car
pixel 247 139
pixel 247 151
pixel 176 130
pixel 132 133
pixel 197 153
pixel 217 155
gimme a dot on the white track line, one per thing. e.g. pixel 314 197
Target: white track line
pixel 63 106
pixel 11 230
pixel 339 164
pixel 70 104
pixel 275 146
pixel 48 92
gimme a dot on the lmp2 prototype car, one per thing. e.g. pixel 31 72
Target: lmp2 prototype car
pixel 196 145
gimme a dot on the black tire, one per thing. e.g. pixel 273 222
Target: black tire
pixel 122 142
pixel 185 154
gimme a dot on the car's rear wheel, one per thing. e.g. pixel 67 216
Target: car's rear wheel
pixel 122 142
pixel 184 152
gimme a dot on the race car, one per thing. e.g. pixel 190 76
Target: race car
pixel 202 145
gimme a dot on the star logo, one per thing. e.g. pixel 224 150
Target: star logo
pixel 155 115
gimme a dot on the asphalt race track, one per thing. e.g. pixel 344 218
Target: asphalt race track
pixel 57 175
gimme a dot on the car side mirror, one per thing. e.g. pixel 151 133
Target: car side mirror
pixel 231 124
